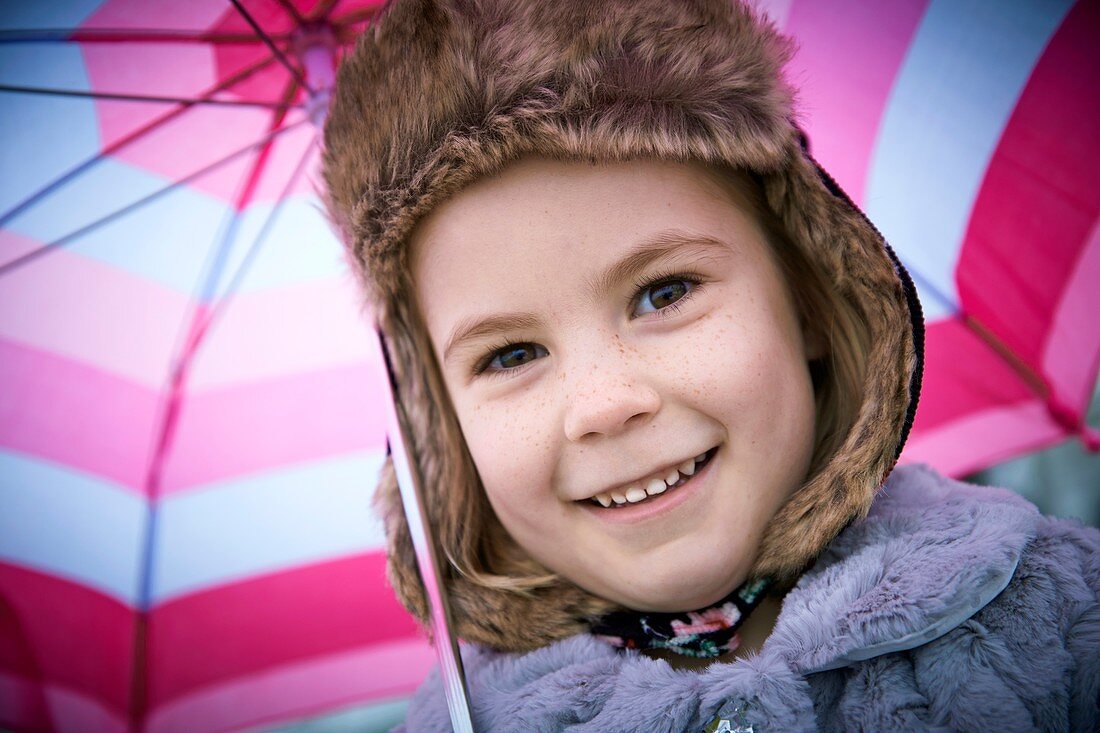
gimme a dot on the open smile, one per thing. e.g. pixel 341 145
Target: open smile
pixel 637 507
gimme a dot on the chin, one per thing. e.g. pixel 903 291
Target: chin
pixel 708 578
pixel 686 595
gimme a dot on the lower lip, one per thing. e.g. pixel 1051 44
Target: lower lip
pixel 654 506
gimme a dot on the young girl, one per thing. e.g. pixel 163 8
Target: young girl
pixel 660 369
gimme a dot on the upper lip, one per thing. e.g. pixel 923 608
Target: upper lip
pixel 661 471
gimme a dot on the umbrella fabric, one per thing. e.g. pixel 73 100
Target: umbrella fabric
pixel 190 429
pixel 189 433
pixel 966 131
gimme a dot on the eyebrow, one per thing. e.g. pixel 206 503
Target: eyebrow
pixel 653 248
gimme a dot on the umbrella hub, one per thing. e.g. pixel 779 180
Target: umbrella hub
pixel 314 46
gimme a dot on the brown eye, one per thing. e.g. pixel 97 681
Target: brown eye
pixel 661 295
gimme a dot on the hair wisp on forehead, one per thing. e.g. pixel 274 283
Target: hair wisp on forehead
pixel 440 93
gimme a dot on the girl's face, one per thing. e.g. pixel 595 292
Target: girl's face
pixel 598 328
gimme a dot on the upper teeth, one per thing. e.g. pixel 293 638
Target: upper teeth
pixel 650 486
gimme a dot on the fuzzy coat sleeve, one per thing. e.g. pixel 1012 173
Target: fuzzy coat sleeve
pixel 1027 661
pixel 1083 638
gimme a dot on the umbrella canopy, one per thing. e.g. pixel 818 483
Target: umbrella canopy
pixel 967 133
pixel 191 423
pixel 191 418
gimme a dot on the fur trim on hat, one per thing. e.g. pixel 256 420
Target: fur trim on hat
pixel 440 93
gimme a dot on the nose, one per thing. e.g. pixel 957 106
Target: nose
pixel 606 396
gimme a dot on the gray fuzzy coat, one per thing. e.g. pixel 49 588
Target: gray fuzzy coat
pixel 950 607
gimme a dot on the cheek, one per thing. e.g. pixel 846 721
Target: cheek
pixel 729 361
pixel 509 446
pixel 752 373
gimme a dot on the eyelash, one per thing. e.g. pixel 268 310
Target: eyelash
pixel 659 278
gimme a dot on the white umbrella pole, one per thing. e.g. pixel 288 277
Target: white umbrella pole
pixel 412 498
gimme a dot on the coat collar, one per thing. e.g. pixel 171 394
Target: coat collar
pixel 930 553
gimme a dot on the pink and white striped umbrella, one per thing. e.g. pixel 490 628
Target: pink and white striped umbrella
pixel 967 132
pixel 190 429
pixel 190 424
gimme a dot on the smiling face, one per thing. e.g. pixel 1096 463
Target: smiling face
pixel 598 328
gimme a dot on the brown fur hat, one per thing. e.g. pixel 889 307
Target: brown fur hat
pixel 439 93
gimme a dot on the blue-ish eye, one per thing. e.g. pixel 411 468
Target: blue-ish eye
pixel 668 293
pixel 513 357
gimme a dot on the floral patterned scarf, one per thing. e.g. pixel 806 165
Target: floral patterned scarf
pixel 707 632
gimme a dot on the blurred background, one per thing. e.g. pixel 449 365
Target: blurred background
pixel 190 419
